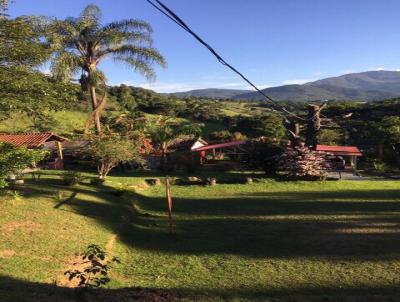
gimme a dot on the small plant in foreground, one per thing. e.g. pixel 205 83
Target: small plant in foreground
pixel 96 268
pixel 15 195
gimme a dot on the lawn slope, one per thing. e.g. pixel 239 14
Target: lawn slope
pixel 275 241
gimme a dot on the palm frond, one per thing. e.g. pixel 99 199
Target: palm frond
pixel 139 66
pixel 129 25
pixel 65 64
pixel 81 43
pixel 91 16
pixel 130 31
pixel 114 38
pixel 61 34
pixel 139 58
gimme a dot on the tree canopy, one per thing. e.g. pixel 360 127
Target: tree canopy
pixel 81 43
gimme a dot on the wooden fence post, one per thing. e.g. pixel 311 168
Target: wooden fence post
pixel 169 203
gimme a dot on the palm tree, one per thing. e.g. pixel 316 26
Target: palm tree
pixel 80 44
pixel 165 134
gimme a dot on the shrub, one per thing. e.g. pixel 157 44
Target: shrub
pixel 220 136
pixel 13 160
pixel 265 155
pixel 72 178
pixel 113 149
pixel 381 166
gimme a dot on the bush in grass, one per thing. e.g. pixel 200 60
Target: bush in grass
pixel 265 155
pixel 113 149
pixel 380 166
pixel 72 178
pixel 13 160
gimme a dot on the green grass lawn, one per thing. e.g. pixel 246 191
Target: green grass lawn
pixel 266 241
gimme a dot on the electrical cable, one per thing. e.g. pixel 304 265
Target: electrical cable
pixel 177 20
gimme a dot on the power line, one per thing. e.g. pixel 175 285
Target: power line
pixel 177 20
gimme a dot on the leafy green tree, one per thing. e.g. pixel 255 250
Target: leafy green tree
pixel 82 43
pixel 32 92
pixel 389 132
pixel 124 97
pixel 220 136
pixel 331 137
pixel 390 127
pixel 4 7
pixel 113 149
pixel 22 88
pixel 4 4
pixel 21 42
pixel 269 125
pixel 13 160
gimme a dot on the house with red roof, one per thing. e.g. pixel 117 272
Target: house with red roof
pixel 351 153
pixel 38 141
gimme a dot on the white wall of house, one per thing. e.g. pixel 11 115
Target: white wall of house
pixel 197 145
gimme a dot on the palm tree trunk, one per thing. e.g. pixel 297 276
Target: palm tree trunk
pixel 162 161
pixel 93 97
pixel 163 157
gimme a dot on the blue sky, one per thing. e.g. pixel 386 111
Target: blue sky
pixel 273 42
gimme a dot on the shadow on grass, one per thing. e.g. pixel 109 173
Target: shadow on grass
pixel 353 224
pixel 259 225
pixel 13 290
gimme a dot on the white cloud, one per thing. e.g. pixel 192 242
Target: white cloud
pixel 297 81
pixel 380 69
pixel 168 87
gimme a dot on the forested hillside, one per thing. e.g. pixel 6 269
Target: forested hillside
pixel 363 86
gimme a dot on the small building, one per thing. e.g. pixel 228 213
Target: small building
pixel 223 156
pixel 179 153
pixel 188 145
pixel 71 149
pixel 38 141
pixel 348 153
pixel 232 149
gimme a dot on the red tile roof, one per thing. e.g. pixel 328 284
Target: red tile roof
pixel 340 150
pixel 32 140
pixel 222 145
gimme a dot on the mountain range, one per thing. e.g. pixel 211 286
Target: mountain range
pixel 365 86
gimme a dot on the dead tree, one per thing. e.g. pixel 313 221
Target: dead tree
pixel 304 163
pixel 294 131
pixel 313 124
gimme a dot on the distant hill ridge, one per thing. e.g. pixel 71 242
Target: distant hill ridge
pixel 212 93
pixel 367 86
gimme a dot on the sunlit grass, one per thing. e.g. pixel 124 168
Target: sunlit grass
pixel 282 241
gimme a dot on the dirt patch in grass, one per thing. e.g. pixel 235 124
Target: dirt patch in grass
pixel 23 225
pixel 76 262
pixel 73 263
pixel 7 253
pixel 139 187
